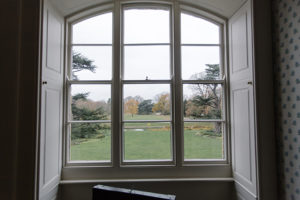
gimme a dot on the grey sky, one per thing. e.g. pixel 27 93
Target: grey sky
pixel 143 26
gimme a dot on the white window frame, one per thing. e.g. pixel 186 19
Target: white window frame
pixel 178 167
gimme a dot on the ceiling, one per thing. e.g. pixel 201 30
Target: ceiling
pixel 225 8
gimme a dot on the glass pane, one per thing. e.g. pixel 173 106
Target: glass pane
pixel 147 141
pixel 147 102
pixel 146 26
pixel 91 63
pixel 202 101
pixel 146 62
pixel 91 102
pixel 94 30
pixel 203 140
pixel 195 30
pixel 90 141
pixel 200 63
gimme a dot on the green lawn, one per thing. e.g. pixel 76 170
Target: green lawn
pixel 152 141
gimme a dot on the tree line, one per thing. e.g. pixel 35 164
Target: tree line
pixel 205 102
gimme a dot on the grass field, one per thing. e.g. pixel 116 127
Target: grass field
pixel 146 141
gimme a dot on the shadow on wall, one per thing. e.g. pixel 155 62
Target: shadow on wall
pixel 183 190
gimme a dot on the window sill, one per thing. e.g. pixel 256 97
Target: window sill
pixel 212 171
pixel 66 182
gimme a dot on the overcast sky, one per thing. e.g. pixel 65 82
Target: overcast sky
pixel 141 62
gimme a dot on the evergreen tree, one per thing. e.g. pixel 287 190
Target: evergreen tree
pixel 145 107
pixel 80 63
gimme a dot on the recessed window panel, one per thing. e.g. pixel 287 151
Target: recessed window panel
pixel 146 62
pixel 90 141
pixel 147 141
pixel 146 102
pixel 146 26
pixel 143 71
pixel 95 30
pixel 200 63
pixel 91 63
pixel 202 101
pixel 195 30
pixel 90 102
pixel 203 140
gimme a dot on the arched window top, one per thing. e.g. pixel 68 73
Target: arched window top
pixel 196 30
pixel 93 30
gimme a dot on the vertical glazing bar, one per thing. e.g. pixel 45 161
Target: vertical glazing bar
pixel 68 96
pixel 178 118
pixel 116 88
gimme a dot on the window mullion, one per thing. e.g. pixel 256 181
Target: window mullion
pixel 116 88
pixel 177 99
pixel 146 81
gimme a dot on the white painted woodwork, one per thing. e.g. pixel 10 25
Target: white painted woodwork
pixel 242 104
pixel 51 103
pixel 224 8
pixel 240 43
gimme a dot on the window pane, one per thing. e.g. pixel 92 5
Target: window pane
pixel 200 63
pixel 203 140
pixel 146 26
pixel 202 101
pixel 91 102
pixel 90 141
pixel 147 141
pixel 91 63
pixel 195 30
pixel 94 30
pixel 147 62
pixel 147 102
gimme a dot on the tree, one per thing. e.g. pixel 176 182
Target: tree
pixel 192 110
pixel 212 71
pixel 163 104
pixel 207 98
pixel 145 107
pixel 138 98
pixel 80 63
pixel 131 106
pixel 84 109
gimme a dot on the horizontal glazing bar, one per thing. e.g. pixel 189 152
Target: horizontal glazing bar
pixel 203 81
pixel 157 162
pixel 145 121
pixel 146 81
pixel 91 44
pixel 193 162
pixel 205 120
pixel 89 121
pixel 201 45
pixel 89 82
pixel 146 44
pixel 88 162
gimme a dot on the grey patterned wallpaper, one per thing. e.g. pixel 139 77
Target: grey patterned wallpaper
pixel 286 26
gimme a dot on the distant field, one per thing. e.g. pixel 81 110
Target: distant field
pixel 152 141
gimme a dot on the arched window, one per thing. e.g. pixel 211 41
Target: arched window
pixel 145 87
